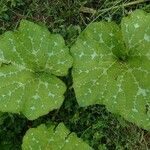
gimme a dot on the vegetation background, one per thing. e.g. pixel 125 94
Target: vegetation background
pixel 94 124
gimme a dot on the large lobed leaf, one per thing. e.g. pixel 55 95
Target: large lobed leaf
pixel 30 60
pixel 112 67
pixel 51 138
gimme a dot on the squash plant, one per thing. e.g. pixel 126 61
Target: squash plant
pixel 52 138
pixel 31 58
pixel 112 67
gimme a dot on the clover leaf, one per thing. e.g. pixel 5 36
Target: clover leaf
pixel 112 67
pixel 51 138
pixel 31 58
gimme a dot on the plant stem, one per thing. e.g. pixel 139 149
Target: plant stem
pixel 125 5
pixel 102 11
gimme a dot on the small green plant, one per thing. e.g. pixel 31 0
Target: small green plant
pixel 30 60
pixel 111 67
pixel 5 4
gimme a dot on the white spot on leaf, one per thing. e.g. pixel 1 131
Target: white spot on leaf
pixel 51 95
pixel 136 25
pixel 94 55
pixel 147 37
pixel 81 54
pixel 36 96
pixel 141 92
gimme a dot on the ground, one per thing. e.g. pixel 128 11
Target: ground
pixel 95 125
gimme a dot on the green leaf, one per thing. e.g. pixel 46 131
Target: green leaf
pixel 51 138
pixel 30 60
pixel 112 67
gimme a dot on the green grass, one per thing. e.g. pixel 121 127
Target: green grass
pixel 101 129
